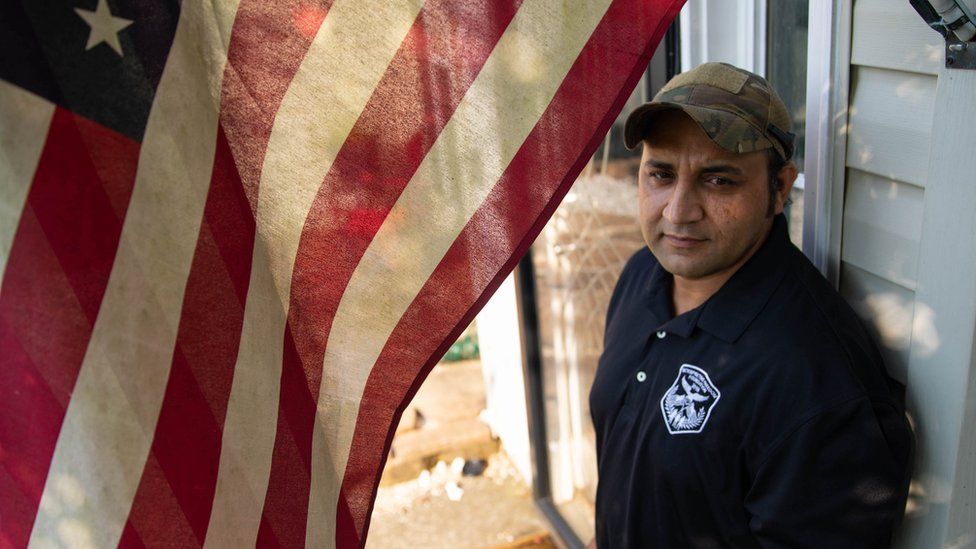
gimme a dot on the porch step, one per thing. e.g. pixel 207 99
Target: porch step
pixel 418 449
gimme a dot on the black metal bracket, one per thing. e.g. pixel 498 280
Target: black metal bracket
pixel 958 54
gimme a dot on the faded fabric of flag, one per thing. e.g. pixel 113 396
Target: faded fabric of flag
pixel 236 235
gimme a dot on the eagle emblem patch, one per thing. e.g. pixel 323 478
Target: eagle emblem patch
pixel 688 403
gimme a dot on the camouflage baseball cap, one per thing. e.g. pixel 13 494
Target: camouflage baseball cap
pixel 738 110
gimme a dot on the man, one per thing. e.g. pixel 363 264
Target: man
pixel 739 401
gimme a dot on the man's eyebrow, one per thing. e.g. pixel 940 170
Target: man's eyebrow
pixel 658 164
pixel 715 168
pixel 723 168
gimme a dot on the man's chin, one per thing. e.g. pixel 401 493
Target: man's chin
pixel 676 261
pixel 685 266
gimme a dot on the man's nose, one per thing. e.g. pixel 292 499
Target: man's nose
pixel 684 205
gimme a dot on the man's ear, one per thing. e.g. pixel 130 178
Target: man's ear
pixel 786 177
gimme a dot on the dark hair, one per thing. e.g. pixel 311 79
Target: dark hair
pixel 775 163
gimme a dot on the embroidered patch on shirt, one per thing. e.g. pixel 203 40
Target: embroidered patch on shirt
pixel 688 403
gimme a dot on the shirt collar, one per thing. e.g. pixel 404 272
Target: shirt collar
pixel 736 304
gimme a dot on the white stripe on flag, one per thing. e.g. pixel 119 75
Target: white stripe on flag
pixel 344 64
pixel 24 121
pixel 108 428
pixel 502 106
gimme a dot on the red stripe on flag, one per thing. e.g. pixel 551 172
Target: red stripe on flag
pixel 175 495
pixel 22 476
pixel 499 233
pixel 59 266
pixel 439 59
pixel 172 503
pixel 268 44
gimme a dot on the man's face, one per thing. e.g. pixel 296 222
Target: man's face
pixel 703 210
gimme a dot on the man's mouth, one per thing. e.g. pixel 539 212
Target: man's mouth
pixel 682 241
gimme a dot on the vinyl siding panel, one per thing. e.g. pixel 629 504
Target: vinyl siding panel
pixel 882 226
pixel 895 60
pixel 915 47
pixel 890 123
pixel 888 309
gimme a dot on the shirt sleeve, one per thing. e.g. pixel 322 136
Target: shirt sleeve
pixel 839 479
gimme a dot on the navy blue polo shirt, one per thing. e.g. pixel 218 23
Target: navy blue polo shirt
pixel 762 418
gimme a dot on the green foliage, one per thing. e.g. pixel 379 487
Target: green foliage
pixel 465 348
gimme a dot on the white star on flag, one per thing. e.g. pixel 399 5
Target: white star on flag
pixel 104 26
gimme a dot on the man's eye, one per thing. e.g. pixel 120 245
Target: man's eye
pixel 658 176
pixel 721 181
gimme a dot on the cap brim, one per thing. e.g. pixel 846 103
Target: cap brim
pixel 637 125
pixel 726 129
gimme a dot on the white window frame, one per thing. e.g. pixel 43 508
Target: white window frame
pixel 738 36
pixel 828 85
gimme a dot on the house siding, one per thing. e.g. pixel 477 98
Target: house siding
pixel 894 61
pixel 908 249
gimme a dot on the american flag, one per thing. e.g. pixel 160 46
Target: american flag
pixel 236 235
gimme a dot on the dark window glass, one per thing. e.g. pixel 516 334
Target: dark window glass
pixel 786 69
pixel 786 61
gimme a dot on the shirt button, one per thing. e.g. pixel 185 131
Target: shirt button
pixel 660 335
pixel 641 376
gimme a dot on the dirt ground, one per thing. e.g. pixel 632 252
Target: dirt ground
pixel 425 501
pixel 491 510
